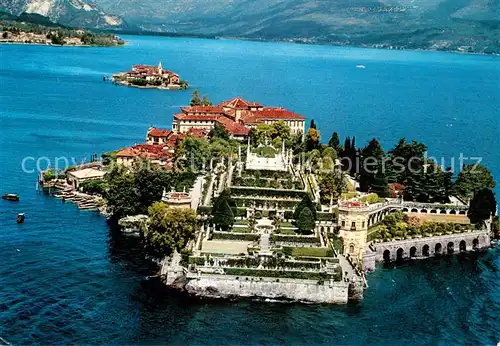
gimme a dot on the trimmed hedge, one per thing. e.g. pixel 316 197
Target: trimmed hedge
pixel 197 260
pixel 250 191
pixel 318 276
pixel 294 239
pixel 308 251
pixel 235 236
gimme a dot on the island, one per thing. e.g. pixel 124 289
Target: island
pixel 238 200
pixel 147 76
pixel 30 28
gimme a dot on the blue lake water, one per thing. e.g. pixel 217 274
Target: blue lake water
pixel 66 278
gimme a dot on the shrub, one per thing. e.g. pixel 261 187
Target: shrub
pixel 197 260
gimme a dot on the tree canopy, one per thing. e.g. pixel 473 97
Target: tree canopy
pixel 482 206
pixel 306 221
pixel 306 202
pixel 168 229
pixel 472 179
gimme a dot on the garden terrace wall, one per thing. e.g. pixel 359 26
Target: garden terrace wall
pixel 235 236
pixel 268 192
pixel 295 239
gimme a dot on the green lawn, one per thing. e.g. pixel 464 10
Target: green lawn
pixel 240 230
pixel 286 224
pixel 241 222
pixel 287 231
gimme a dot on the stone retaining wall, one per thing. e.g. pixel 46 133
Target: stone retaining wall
pixel 226 286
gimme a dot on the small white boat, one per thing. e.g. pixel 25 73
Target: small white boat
pixel 360 66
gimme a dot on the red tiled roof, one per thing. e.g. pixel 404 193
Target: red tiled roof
pixel 277 113
pixel 237 102
pixel 145 151
pixel 203 109
pixel 155 132
pixel 233 127
pixel 206 117
pixel 198 132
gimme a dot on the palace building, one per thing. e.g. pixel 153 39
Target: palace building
pixel 237 116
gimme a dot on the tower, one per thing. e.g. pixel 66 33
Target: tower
pixel 160 68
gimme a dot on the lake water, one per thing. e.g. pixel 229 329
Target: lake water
pixel 66 278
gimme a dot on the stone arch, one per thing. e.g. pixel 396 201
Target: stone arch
pixel 462 246
pixel 405 210
pixel 442 211
pixel 425 250
pixel 387 256
pixel 322 229
pixel 450 248
pixel 400 254
pixel 437 248
pixel 414 210
pixel 423 211
pixel 462 212
pixel 475 243
pixel 433 211
pixel 453 212
pixel 413 252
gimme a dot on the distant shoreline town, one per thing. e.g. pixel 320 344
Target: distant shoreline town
pixel 38 30
pixel 227 206
pixel 147 76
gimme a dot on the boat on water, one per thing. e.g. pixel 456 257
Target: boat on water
pixel 360 66
pixel 20 217
pixel 10 197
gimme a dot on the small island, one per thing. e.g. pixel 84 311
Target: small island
pixel 148 76
pixel 30 28
pixel 238 200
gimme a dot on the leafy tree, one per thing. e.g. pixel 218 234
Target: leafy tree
pixel 380 184
pixel 149 187
pixel 205 101
pixel 405 159
pixel 218 131
pixel 371 163
pixel 482 206
pixel 305 203
pixel 306 221
pixel 94 186
pixel 495 228
pixel 168 229
pixel 195 100
pixel 121 197
pixel 312 139
pixel 472 179
pixel 331 185
pixel 334 142
pixel 192 153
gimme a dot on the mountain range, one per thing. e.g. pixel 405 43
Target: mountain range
pixel 464 25
pixel 71 13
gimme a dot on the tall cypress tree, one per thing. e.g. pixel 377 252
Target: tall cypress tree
pixel 223 215
pixel 334 142
pixel 380 184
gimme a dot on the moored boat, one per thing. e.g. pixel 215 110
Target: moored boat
pixel 20 218
pixel 10 197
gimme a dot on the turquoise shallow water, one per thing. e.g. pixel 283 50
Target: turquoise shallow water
pixel 66 278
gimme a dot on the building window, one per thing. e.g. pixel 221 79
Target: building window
pixel 343 223
pixel 363 225
pixel 351 249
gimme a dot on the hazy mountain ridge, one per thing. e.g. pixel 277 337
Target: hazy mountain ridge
pixel 469 25
pixel 73 13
